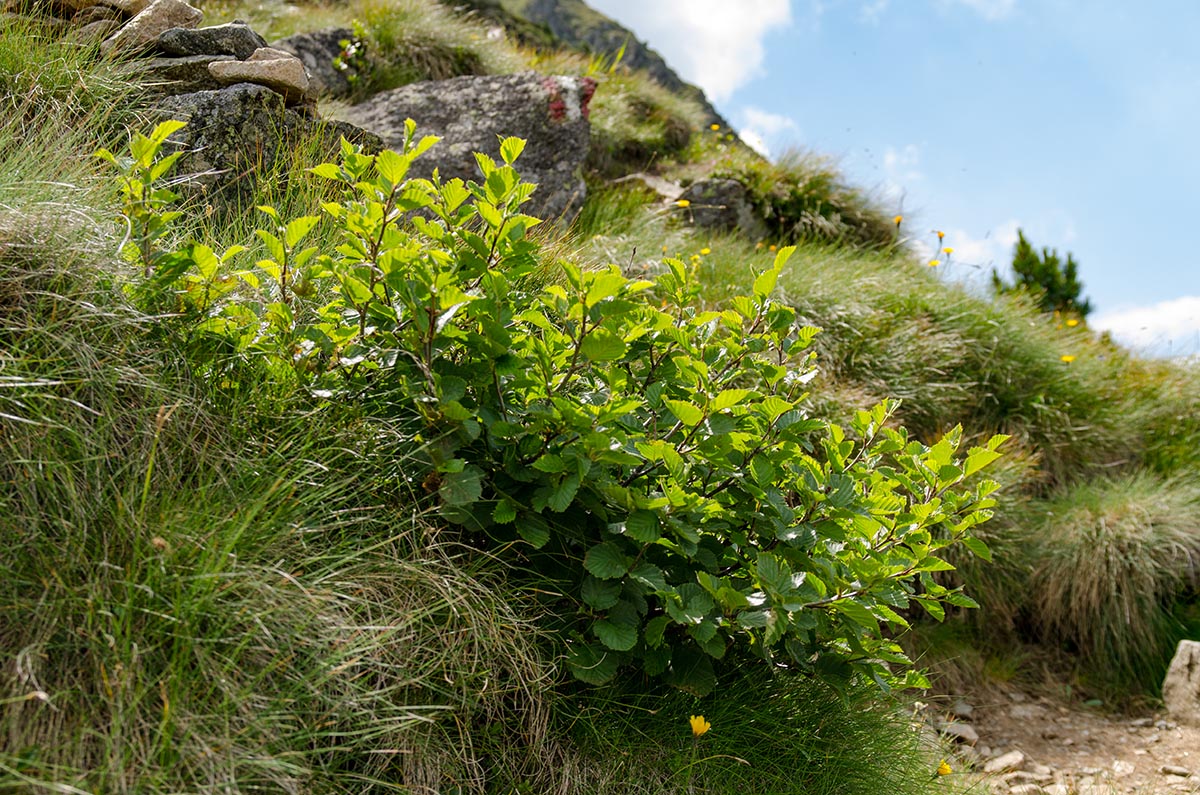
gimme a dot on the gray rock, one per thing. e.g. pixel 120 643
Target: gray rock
pixel 234 38
pixel 244 131
pixel 1002 764
pixel 962 709
pixel 128 8
pixel 1181 687
pixel 279 71
pixel 169 76
pixel 961 732
pixel 1058 789
pixel 317 51
pixel 470 113
pixel 1175 770
pixel 96 13
pixel 1122 768
pixel 1026 789
pixel 94 32
pixel 723 204
pixel 140 32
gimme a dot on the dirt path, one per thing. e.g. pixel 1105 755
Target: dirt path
pixel 1030 746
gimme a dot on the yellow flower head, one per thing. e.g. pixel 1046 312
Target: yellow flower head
pixel 683 203
pixel 699 725
pixel 940 234
pixel 944 768
pixel 714 126
pixel 897 220
pixel 948 250
pixel 1072 322
pixel 1066 357
pixel 771 247
pixel 706 251
pixel 758 245
pixel 933 263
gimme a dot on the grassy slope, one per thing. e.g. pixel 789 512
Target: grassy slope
pixel 204 576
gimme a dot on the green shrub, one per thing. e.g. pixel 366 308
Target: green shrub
pixel 657 453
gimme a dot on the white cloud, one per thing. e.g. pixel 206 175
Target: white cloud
pixel 973 257
pixel 991 10
pixel 1168 328
pixel 716 44
pixel 872 11
pixel 901 169
pixel 758 128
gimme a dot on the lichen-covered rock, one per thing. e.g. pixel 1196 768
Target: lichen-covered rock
pixel 1181 687
pixel 320 51
pixel 234 38
pixel 277 70
pixel 139 33
pixel 723 204
pixel 243 132
pixel 470 114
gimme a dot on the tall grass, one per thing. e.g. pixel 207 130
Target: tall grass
pixel 1112 559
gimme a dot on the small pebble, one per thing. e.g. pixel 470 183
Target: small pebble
pixel 1174 770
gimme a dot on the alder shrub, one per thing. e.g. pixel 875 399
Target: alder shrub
pixel 656 453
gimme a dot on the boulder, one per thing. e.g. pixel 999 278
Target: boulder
pixel 723 204
pixel 128 8
pixel 471 113
pixel 319 51
pixel 234 38
pixel 1002 764
pixel 139 33
pixel 277 70
pixel 244 131
pixel 1181 687
pixel 94 32
pixel 96 14
pixel 169 76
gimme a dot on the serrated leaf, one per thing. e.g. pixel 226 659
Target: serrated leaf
pixel 510 149
pixel 685 412
pixel 603 346
pixel 618 637
pixel 534 529
pixel 728 398
pixel 592 663
pixel 650 576
pixel 643 526
pixel 858 613
pixel 600 594
pixel 462 488
pixel 606 561
pixel 504 512
pixel 977 547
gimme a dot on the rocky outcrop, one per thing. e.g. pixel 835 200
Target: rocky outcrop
pixel 246 130
pixel 140 33
pixel 234 38
pixel 470 114
pixel 573 22
pixel 321 52
pixel 723 204
pixel 279 71
pixel 1181 687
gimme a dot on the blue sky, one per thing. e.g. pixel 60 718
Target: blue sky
pixel 1077 122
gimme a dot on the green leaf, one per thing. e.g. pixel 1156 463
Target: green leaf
pixel 603 346
pixel 462 488
pixel 728 398
pixel 534 529
pixel 858 613
pixel 600 594
pixel 510 149
pixel 505 512
pixel 643 526
pixel 686 413
pixel 391 166
pixel 618 637
pixel 299 228
pixel 606 561
pixel 591 663
pixel 977 547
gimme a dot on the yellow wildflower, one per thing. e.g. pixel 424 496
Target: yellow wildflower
pixel 944 768
pixel 897 220
pixel 699 725
pixel 683 203
pixel 714 126
pixel 948 250
pixel 758 245
pixel 940 234
pixel 1072 322
pixel 1066 357
pixel 771 247
pixel 706 251
pixel 933 263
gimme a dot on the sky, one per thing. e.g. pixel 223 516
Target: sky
pixel 1078 123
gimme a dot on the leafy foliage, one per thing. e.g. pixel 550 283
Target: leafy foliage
pixel 1053 282
pixel 657 452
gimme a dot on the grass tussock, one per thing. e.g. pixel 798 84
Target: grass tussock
pixel 1113 556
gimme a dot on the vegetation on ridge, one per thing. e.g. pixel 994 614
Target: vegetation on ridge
pixel 222 577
